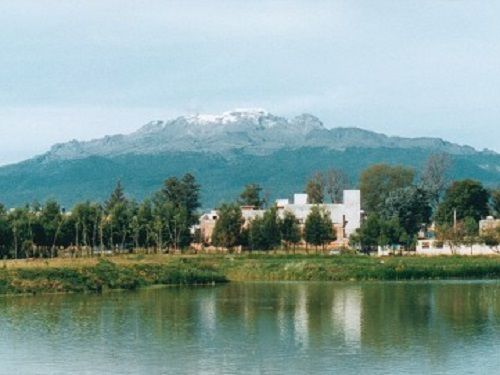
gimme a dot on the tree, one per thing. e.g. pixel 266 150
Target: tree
pixel 378 181
pixel 392 233
pixel 470 231
pixel 410 206
pixel 434 178
pixel 117 207
pixel 491 237
pixel 336 181
pixel 135 226
pixel 51 219
pixel 172 226
pixel 471 227
pixel 145 221
pixel 227 231
pixel 468 198
pixel 20 224
pixel 251 196
pixel 86 217
pixel 256 238
pixel 453 235
pixel 5 234
pixel 119 219
pixel 290 229
pixel 264 231
pixel 377 231
pixel 176 210
pixel 315 189
pixel 495 202
pixel 183 193
pixel 117 196
pixel 367 236
pixel 318 227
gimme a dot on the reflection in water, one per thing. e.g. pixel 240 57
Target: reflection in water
pixel 301 318
pixel 444 327
pixel 346 313
pixel 208 313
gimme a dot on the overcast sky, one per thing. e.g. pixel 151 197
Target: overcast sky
pixel 83 69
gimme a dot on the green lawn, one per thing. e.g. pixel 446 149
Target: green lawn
pixel 134 271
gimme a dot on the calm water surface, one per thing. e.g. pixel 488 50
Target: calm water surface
pixel 258 328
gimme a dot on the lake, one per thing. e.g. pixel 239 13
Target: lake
pixel 442 327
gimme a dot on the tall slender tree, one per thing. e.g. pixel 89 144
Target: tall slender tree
pixel 495 202
pixel 290 230
pixel 434 179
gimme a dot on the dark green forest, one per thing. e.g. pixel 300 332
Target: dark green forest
pixel 280 174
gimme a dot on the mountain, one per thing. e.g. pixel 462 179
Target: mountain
pixel 254 132
pixel 224 152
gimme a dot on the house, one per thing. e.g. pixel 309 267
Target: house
pixel 345 216
pixel 432 246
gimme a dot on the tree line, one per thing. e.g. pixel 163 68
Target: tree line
pixel 159 223
pixel 399 205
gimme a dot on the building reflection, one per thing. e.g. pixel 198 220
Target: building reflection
pixel 347 313
pixel 301 318
pixel 261 319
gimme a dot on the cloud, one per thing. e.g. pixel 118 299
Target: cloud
pixel 82 68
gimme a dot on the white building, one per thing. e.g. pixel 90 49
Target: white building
pixel 346 216
pixel 433 247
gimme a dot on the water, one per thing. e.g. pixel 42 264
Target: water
pixel 258 328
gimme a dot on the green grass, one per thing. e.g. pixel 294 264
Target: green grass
pixel 132 272
pixel 104 275
pixel 343 268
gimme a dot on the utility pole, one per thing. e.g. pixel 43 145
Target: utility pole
pixel 454 219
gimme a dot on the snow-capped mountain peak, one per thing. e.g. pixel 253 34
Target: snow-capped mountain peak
pixel 254 131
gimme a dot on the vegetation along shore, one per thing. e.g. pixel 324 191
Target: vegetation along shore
pixel 136 271
pixel 127 244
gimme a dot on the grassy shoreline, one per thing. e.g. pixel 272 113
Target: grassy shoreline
pixel 137 271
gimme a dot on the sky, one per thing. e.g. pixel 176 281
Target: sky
pixel 86 68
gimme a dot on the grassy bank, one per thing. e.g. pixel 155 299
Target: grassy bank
pixel 353 268
pixel 98 275
pixel 131 272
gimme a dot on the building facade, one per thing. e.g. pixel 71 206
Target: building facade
pixel 346 216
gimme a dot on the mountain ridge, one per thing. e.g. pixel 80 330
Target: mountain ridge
pixel 224 152
pixel 256 132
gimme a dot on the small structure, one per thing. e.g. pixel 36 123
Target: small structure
pixel 488 224
pixel 432 247
pixel 428 244
pixel 207 225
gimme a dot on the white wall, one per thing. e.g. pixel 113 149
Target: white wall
pixel 477 249
pixel 352 210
